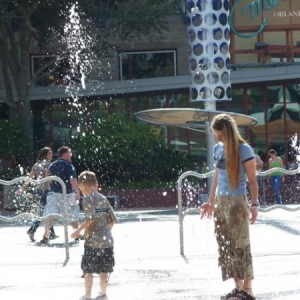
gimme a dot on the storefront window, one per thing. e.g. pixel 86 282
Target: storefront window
pixel 235 105
pixel 275 118
pixel 198 145
pixel 255 108
pixel 179 140
pixel 51 71
pixel 147 64
pixel 295 36
pixel 237 101
pixel 181 100
pixel 172 101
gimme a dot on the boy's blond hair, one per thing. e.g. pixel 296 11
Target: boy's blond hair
pixel 88 177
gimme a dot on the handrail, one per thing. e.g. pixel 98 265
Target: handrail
pixel 181 213
pixel 276 169
pixel 27 215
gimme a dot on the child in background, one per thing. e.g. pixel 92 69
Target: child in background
pixel 98 247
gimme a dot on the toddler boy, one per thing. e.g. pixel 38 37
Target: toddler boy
pixel 98 254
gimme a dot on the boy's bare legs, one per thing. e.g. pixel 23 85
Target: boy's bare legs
pixel 103 283
pixel 238 283
pixel 245 285
pixel 88 284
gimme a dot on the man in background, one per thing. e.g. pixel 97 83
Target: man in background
pixel 63 169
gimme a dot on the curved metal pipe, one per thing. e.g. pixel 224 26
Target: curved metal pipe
pixel 182 214
pixel 27 215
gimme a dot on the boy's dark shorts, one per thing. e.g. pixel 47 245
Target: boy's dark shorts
pixel 96 260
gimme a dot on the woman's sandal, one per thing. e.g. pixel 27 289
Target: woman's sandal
pixel 246 295
pixel 233 293
pixel 241 295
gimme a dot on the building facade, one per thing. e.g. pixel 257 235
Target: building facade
pixel 265 69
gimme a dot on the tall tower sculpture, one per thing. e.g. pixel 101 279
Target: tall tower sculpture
pixel 209 39
pixel 209 58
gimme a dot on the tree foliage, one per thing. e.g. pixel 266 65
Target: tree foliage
pixel 125 153
pixel 41 23
pixel 13 147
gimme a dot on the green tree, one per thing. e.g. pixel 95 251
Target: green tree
pixel 124 152
pixel 13 147
pixel 25 23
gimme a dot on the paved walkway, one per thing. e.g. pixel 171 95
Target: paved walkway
pixel 148 263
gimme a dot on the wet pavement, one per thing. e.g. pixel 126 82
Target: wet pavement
pixel 148 260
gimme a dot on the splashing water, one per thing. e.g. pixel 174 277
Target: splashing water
pixel 76 46
pixel 294 143
pixel 21 170
pixel 82 54
pixel 292 183
pixel 191 194
pixel 86 63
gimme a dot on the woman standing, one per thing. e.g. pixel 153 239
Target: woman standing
pixel 276 177
pixel 227 201
pixel 39 171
